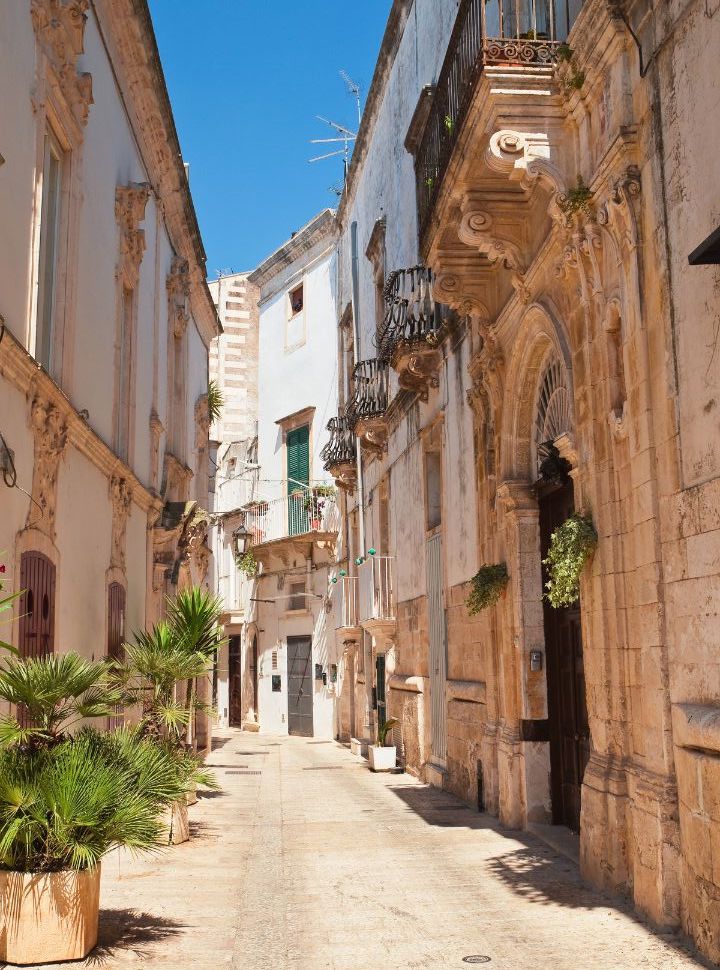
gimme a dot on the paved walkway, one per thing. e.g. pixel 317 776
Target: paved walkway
pixel 310 862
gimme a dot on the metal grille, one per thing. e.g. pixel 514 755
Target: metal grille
pixel 553 410
pixel 438 648
pixel 342 446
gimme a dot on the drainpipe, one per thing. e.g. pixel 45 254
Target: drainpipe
pixel 356 355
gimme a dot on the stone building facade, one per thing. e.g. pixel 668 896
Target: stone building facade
pixel 542 345
pixel 105 324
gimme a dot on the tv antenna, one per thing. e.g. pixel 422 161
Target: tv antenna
pixel 353 89
pixel 343 136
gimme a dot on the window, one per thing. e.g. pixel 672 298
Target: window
pixel 47 263
pixel 124 357
pixel 37 605
pixel 433 489
pixel 297 596
pixel 296 300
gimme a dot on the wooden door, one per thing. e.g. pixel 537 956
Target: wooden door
pixel 300 686
pixel 116 638
pixel 567 704
pixel 37 605
pixel 380 697
pixel 235 681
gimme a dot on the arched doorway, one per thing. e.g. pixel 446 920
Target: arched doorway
pixel 569 733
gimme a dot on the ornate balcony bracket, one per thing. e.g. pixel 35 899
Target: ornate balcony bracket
pixel 345 475
pixel 417 367
pixel 373 434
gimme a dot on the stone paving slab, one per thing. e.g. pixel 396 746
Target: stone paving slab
pixel 336 868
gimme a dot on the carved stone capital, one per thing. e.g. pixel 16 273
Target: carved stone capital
pixel 130 202
pixel 618 213
pixel 516 496
pixel 60 30
pixel 449 288
pixel 49 427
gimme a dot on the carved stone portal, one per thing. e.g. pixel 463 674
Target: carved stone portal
pixel 49 428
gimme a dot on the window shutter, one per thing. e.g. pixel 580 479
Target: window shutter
pixel 298 457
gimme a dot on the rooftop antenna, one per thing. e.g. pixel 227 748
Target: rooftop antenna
pixel 343 135
pixel 353 89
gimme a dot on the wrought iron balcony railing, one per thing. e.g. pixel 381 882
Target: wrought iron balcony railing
pixel 411 314
pixel 348 604
pixel 486 32
pixel 371 389
pixel 376 589
pixel 342 446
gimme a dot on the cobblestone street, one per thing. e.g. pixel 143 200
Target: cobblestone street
pixel 308 861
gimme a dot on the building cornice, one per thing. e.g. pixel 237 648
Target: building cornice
pixel 127 32
pixel 318 230
pixel 26 375
pixel 389 47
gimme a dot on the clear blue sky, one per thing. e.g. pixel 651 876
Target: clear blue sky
pixel 246 79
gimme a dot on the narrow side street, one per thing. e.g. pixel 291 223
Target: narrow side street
pixel 308 861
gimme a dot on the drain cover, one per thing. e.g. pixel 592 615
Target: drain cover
pixel 235 772
pixel 478 958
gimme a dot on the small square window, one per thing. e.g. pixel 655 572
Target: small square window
pixel 296 300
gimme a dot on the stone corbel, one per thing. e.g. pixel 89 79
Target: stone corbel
pixel 449 289
pixel 60 30
pixel 619 214
pixel 49 427
pixel 516 496
pixel 524 157
pixel 130 202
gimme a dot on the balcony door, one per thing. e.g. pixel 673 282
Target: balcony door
pixel 297 446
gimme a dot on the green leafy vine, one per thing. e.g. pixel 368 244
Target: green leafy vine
pixel 248 564
pixel 571 545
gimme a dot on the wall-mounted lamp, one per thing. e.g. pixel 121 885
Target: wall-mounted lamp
pixel 241 540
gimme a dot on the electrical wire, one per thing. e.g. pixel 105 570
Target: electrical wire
pixel 9 472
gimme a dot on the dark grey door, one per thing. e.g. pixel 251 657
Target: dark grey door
pixel 300 686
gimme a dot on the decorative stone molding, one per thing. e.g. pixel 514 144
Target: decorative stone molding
pixel 524 157
pixel 121 498
pixel 130 202
pixel 50 430
pixel 60 29
pixel 449 288
pixel 516 496
pixel 178 289
pixel 345 475
pixel 156 431
pixel 487 367
pixel 619 215
pixel 202 422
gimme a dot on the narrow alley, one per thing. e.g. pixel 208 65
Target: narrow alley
pixel 308 861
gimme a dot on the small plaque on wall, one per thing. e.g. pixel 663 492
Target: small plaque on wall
pixel 276 686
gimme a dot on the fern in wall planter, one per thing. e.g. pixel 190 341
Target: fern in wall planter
pixel 571 545
pixel 488 585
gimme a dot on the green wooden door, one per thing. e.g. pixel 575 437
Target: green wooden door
pixel 298 478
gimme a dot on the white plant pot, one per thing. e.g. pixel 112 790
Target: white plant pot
pixel 382 759
pixel 48 917
pixel 358 748
pixel 177 823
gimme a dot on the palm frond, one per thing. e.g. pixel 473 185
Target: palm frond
pixel 215 401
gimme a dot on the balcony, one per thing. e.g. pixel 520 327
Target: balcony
pixel 376 594
pixel 413 327
pixel 305 516
pixel 348 614
pixel 340 453
pixel 512 34
pixel 370 402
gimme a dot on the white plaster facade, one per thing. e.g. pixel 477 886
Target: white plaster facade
pixel 297 387
pixel 107 424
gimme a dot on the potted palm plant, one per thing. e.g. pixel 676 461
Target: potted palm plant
pixel 383 756
pixel 65 801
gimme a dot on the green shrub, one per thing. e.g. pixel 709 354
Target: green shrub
pixel 487 587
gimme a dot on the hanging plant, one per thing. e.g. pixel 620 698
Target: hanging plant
pixel 571 545
pixel 488 585
pixel 248 564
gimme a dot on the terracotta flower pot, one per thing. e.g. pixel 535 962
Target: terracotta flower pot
pixel 47 917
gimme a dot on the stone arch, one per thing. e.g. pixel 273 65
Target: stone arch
pixel 542 336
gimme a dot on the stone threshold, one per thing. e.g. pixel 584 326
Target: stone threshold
pixel 558 837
